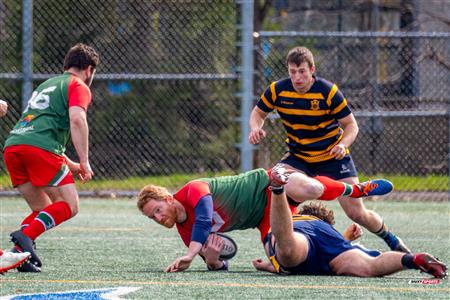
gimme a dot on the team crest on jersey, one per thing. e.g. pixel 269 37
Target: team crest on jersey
pixel 315 105
pixel 27 119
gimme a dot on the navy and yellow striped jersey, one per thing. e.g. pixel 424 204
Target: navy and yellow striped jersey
pixel 310 119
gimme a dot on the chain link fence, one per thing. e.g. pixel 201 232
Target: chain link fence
pixel 166 94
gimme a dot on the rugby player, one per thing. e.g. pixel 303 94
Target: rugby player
pixel 34 150
pixel 320 129
pixel 228 203
pixel 308 244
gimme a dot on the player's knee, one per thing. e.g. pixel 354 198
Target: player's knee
pixel 74 208
pixel 301 187
pixel 356 214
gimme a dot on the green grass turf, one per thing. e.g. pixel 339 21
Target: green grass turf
pixel 110 244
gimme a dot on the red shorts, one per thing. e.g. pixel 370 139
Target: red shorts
pixel 43 168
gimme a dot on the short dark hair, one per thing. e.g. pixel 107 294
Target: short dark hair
pixel 299 55
pixel 81 56
pixel 317 209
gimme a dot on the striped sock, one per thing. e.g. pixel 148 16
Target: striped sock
pixel 51 216
pixel 28 219
pixel 333 189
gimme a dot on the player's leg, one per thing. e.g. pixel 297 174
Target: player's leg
pixel 291 248
pixel 64 206
pixel 357 263
pixel 357 212
pixel 305 185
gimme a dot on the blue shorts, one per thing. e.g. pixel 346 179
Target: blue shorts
pixel 325 243
pixel 333 168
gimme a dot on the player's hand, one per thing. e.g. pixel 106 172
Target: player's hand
pixel 262 265
pixel 85 174
pixel 180 264
pixel 338 151
pixel 256 135
pixel 353 232
pixel 212 248
pixel 3 108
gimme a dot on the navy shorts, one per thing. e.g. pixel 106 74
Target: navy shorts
pixel 335 169
pixel 324 242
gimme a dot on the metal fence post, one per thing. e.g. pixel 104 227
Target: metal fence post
pixel 246 83
pixel 27 48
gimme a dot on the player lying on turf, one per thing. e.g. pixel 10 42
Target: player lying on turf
pixel 229 203
pixel 12 260
pixel 308 244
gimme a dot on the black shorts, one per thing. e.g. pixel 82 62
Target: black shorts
pixel 333 168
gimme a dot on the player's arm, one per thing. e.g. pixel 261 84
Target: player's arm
pixel 79 131
pixel 200 232
pixel 351 129
pixel 3 108
pixel 257 118
pixel 262 265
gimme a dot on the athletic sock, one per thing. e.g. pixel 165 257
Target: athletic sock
pixel 408 261
pixel 384 233
pixel 28 219
pixel 48 218
pixel 333 189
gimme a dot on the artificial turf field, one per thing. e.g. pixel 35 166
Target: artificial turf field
pixel 110 244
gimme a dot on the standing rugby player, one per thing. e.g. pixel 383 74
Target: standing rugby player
pixel 34 150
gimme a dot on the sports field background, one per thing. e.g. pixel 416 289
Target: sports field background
pixel 110 244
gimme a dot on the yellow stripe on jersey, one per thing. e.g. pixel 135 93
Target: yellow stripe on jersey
pixel 266 102
pixel 321 152
pixel 273 92
pixel 307 127
pixel 303 112
pixel 275 263
pixel 304 218
pixel 339 108
pixel 312 96
pixel 331 94
pixel 314 140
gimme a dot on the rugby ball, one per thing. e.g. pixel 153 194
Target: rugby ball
pixel 229 249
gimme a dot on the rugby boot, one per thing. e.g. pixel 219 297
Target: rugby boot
pixel 375 187
pixel 429 264
pixel 11 260
pixel 25 244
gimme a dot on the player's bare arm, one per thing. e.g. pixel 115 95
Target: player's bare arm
pixel 184 262
pixel 79 131
pixel 257 133
pixel 3 108
pixel 351 129
pixel 263 265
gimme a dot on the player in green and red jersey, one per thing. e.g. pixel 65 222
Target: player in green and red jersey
pixel 34 150
pixel 228 203
pixel 320 128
